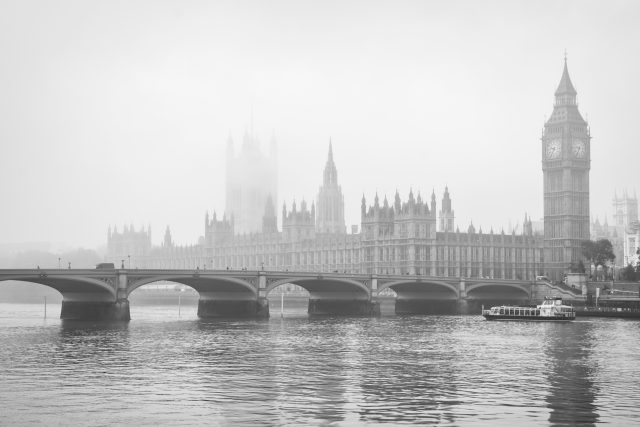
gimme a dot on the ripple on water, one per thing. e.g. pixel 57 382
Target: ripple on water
pixel 297 371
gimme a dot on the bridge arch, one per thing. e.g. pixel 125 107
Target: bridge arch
pixel 199 283
pixel 71 287
pixel 322 284
pixel 412 286
pixel 498 290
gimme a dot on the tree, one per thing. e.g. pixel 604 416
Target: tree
pixel 598 252
pixel 577 267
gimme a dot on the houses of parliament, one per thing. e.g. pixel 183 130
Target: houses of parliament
pixel 411 235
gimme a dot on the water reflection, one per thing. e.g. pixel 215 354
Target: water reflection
pixel 455 370
pixel 409 380
pixel 571 372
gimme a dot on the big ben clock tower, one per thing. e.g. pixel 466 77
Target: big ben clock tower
pixel 566 144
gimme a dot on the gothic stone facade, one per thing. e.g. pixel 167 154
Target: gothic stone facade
pixel 402 238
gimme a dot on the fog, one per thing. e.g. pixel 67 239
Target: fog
pixel 119 112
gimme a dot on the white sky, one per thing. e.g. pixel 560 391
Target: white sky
pixel 118 112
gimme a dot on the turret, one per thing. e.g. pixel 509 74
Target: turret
pixel 167 242
pixel 471 229
pixel 218 231
pixel 299 225
pixel 446 213
pixel 433 201
pixel 411 218
pixel 527 226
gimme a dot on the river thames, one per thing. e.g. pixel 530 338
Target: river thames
pixel 166 367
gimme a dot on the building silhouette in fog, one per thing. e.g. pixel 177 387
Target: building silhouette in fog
pixel 251 178
pixel 408 236
pixel 398 238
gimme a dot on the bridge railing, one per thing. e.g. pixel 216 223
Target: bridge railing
pixel 562 286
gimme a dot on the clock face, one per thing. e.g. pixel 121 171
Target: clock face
pixel 578 148
pixel 554 149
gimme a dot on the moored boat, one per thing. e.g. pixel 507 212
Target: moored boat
pixel 550 309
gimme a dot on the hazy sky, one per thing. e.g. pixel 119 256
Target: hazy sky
pixel 118 112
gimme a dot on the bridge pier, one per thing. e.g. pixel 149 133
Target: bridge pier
pixel 96 310
pixel 343 307
pixel 220 308
pixel 426 306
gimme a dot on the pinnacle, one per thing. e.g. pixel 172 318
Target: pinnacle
pixel 565 85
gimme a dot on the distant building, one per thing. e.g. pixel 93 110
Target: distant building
pixel 605 231
pixel 405 237
pixel 394 239
pixel 631 243
pixel 625 216
pixel 129 242
pixel 625 210
pixel 251 178
pixel 330 201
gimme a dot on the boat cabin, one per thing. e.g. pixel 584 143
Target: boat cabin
pixel 550 309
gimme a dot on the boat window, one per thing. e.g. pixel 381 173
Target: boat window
pixel 502 311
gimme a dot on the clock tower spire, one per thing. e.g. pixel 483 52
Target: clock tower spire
pixel 565 167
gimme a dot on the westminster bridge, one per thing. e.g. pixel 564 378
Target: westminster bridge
pixel 102 294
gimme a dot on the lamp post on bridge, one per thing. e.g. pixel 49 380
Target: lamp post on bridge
pixel 59 259
pixel 613 276
pixel 129 257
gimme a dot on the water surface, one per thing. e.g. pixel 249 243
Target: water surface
pixel 176 369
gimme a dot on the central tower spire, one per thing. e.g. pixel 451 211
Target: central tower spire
pixel 330 213
pixel 330 171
